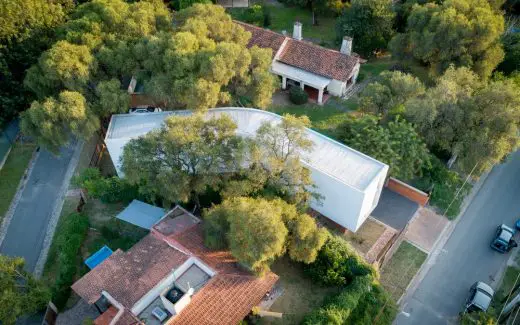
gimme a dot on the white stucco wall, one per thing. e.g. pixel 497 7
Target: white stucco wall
pixel 340 203
pixel 371 198
pixel 336 87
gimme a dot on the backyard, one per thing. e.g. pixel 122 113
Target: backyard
pixel 300 296
pixel 283 18
pixel 401 269
pixel 12 172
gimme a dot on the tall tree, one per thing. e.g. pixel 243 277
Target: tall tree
pixel 370 23
pixel 387 95
pixel 274 163
pixel 460 32
pixel 184 158
pixel 53 121
pixel 26 30
pixel 511 61
pixel 257 231
pixel 84 61
pixel 21 293
pixel 474 121
pixel 396 144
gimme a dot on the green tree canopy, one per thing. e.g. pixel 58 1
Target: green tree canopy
pixel 387 95
pixel 26 30
pixel 198 62
pixel 396 144
pixel 460 32
pixel 274 163
pixel 184 158
pixel 53 121
pixel 21 293
pixel 369 23
pixel 511 61
pixel 475 121
pixel 257 231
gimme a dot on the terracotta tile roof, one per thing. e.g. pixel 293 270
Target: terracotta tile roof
pixel 304 55
pixel 128 276
pixel 318 60
pixel 233 291
pixel 225 299
pixel 263 37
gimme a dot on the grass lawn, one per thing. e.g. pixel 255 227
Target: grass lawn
pixel 300 294
pixel 325 119
pixel 366 236
pixel 375 66
pixel 283 18
pixel 12 173
pixel 508 283
pixel 401 268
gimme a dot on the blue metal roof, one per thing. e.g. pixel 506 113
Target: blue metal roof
pixel 141 214
pixel 98 257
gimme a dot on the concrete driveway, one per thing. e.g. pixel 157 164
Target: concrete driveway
pixel 29 223
pixel 394 209
pixel 466 257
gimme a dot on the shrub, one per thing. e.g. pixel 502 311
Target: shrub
pixel 338 264
pixel 338 309
pixel 298 96
pixel 376 307
pixel 68 243
pixel 108 190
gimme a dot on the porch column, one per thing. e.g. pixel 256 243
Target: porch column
pixel 320 96
pixel 302 85
pixel 284 83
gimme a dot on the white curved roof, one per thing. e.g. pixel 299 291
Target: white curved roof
pixel 328 156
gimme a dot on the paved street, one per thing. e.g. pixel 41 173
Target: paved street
pixel 466 257
pixel 26 232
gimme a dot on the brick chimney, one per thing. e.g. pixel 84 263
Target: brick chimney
pixel 346 45
pixel 297 31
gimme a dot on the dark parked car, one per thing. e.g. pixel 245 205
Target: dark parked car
pixel 479 299
pixel 503 240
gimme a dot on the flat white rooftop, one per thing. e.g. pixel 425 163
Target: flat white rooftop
pixel 349 166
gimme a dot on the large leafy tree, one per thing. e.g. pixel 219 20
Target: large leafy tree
pixel 460 32
pixel 511 61
pixel 370 23
pixel 274 167
pixel 387 95
pixel 206 62
pixel 26 30
pixel 183 159
pixel 83 61
pixel 396 144
pixel 475 122
pixel 53 121
pixel 257 231
pixel 20 293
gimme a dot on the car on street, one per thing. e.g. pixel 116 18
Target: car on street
pixel 503 241
pixel 480 296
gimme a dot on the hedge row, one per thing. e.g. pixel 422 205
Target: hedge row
pixel 338 264
pixel 68 243
pixel 108 190
pixel 338 309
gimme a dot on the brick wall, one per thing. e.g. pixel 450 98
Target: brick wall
pixel 408 191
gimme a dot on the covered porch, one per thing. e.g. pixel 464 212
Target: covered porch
pixel 315 85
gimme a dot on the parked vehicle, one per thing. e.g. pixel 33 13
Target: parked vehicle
pixel 145 109
pixel 517 225
pixel 480 296
pixel 503 241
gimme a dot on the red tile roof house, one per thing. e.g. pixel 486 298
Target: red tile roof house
pixel 307 64
pixel 170 277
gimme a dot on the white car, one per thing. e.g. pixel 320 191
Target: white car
pixel 479 299
pixel 144 109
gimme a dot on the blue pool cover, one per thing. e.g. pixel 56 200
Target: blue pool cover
pixel 98 257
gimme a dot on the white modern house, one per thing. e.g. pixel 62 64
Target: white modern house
pixel 349 181
pixel 307 64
